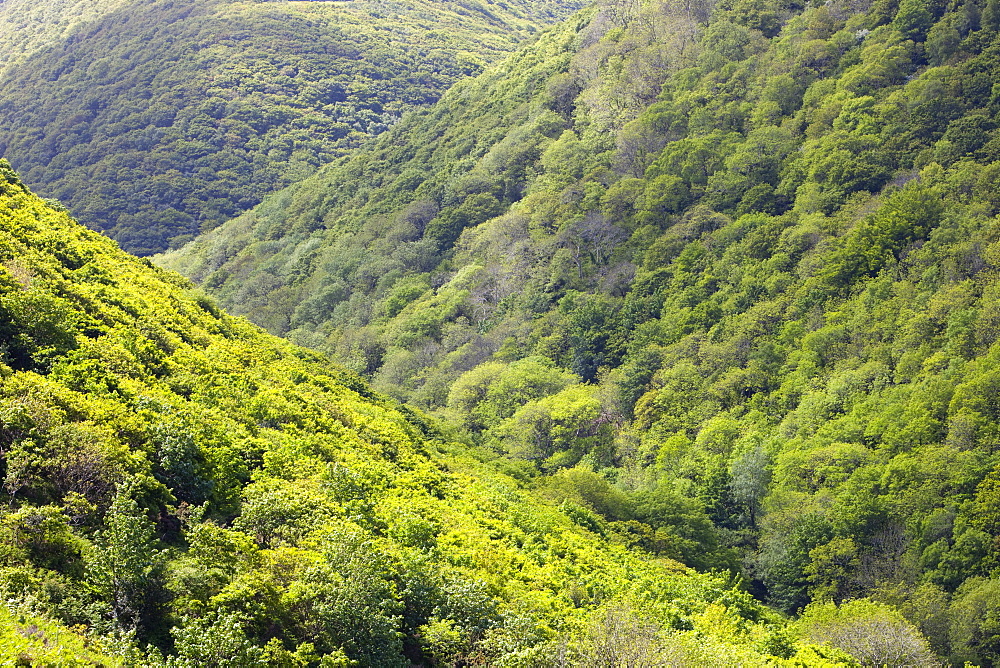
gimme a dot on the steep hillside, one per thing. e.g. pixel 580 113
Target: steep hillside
pixel 748 255
pixel 27 26
pixel 183 489
pixel 154 121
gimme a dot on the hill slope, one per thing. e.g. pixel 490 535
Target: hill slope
pixel 27 26
pixel 177 482
pixel 156 120
pixel 763 242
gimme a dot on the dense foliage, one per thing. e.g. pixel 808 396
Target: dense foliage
pixel 27 26
pixel 154 121
pixel 744 256
pixel 180 488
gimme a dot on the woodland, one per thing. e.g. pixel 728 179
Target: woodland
pixel 668 339
pixel 155 121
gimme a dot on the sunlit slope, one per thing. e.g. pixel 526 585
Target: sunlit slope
pixel 747 255
pixel 176 481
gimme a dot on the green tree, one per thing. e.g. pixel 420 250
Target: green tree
pixel 217 639
pixel 125 564
pixel 913 19
pixel 560 428
pixel 749 476
pixel 873 633
pixel 493 392
pixel 974 615
pixel 830 569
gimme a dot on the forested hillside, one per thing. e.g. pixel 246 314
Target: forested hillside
pixel 27 26
pixel 745 253
pixel 181 489
pixel 154 121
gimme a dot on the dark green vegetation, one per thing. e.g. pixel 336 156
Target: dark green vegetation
pixel 27 26
pixel 156 120
pixel 181 488
pixel 741 262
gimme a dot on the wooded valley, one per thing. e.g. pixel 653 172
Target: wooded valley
pixel 155 121
pixel 669 339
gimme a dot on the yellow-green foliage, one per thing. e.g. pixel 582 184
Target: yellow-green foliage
pixel 176 479
pixel 764 238
pixel 27 640
pixel 873 633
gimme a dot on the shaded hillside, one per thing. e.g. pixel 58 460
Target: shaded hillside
pixel 177 482
pixel 157 120
pixel 748 255
pixel 27 26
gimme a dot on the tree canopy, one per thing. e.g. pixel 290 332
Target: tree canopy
pixel 180 488
pixel 156 121
pixel 762 238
